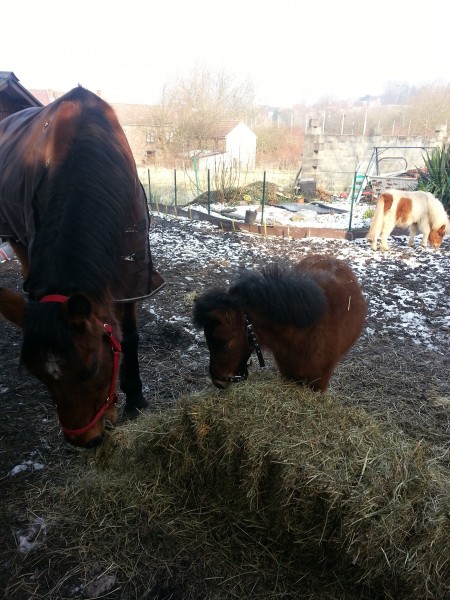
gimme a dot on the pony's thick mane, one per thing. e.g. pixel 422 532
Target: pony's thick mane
pixel 438 214
pixel 77 242
pixel 281 294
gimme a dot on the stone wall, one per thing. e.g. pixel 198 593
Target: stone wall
pixel 331 160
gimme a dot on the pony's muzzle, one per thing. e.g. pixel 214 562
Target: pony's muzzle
pixel 222 384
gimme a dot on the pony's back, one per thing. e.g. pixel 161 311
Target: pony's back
pixel 344 320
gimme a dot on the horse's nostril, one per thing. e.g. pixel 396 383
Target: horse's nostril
pixel 95 442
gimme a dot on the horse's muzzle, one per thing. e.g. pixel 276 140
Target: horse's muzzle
pixel 223 382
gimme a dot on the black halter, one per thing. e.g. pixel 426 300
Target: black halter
pixel 254 347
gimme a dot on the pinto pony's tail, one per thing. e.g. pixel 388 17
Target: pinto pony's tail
pixel 377 220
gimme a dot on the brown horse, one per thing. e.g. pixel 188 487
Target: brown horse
pixel 75 213
pixel 309 316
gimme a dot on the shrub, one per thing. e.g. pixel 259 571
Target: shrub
pixel 436 176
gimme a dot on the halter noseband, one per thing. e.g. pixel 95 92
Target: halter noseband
pixel 254 347
pixel 116 349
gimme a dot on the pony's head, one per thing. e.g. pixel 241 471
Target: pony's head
pixel 224 326
pixel 436 236
pixel 75 354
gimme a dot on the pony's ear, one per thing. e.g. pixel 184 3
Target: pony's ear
pixel 12 307
pixel 224 317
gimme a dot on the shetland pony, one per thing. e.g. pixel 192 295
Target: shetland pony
pixel 309 316
pixel 419 211
pixel 75 213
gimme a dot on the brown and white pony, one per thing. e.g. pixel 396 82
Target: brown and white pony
pixel 309 316
pixel 75 213
pixel 419 211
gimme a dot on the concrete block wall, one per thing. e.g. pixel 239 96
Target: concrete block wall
pixel 331 160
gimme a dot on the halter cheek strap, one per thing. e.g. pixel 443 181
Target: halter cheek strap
pixel 116 349
pixel 252 340
pixel 254 347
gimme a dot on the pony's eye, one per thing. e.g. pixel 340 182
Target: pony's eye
pixel 226 347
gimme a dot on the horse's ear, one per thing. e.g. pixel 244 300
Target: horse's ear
pixel 12 306
pixel 78 309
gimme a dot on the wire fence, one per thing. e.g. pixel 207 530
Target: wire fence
pixel 180 187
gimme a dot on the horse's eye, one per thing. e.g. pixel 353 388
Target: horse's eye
pixel 92 370
pixel 226 346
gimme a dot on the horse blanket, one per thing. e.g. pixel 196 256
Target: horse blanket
pixel 27 159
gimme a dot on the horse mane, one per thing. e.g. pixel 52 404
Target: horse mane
pixel 281 294
pixel 438 214
pixel 77 245
pixel 42 334
pixel 278 293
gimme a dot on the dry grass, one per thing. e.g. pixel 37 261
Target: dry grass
pixel 266 491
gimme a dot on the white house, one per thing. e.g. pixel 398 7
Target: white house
pixel 232 144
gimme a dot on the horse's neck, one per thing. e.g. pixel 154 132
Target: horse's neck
pixel 267 333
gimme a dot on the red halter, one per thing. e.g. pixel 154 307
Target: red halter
pixel 116 349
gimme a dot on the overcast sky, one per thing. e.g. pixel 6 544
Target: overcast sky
pixel 292 50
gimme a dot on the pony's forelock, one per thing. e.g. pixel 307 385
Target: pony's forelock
pixel 213 299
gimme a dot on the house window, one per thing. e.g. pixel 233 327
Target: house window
pixel 150 136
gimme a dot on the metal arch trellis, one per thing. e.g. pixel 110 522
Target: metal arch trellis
pixel 358 187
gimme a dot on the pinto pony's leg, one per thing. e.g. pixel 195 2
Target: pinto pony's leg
pixel 413 233
pixel 130 381
pixel 377 223
pixel 425 229
pixel 385 233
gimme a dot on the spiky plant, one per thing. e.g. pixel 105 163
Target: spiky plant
pixel 435 178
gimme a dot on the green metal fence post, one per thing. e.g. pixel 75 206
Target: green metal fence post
pixel 175 186
pixel 352 200
pixel 209 193
pixel 263 197
pixel 149 188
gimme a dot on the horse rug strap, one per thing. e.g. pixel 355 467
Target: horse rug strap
pixel 252 340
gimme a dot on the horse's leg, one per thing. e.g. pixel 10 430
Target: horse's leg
pixel 385 232
pixel 376 235
pixel 412 234
pixel 425 229
pixel 301 367
pixel 321 383
pixel 22 255
pixel 130 381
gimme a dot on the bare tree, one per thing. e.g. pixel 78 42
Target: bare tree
pixel 196 103
pixel 430 107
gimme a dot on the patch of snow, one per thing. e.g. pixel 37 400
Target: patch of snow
pixel 32 537
pixel 28 465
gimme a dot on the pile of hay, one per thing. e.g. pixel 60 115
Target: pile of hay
pixel 266 491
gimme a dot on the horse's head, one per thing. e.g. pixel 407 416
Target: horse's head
pixel 75 354
pixel 224 325
pixel 436 236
